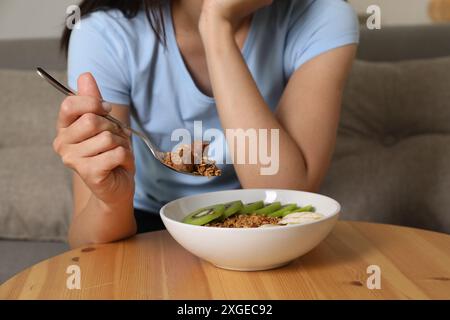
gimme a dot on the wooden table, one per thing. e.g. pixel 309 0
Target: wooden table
pixel 414 264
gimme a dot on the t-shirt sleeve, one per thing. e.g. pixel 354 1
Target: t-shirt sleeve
pixel 320 27
pixel 94 47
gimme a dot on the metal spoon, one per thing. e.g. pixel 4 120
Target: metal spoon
pixel 159 155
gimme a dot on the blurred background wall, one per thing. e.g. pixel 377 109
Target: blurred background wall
pixel 24 19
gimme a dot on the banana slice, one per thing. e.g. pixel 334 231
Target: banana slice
pixel 301 217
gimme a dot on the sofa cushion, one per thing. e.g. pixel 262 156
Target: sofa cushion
pixel 398 43
pixel 35 190
pixel 391 162
pixel 392 159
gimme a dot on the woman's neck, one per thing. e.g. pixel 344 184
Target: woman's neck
pixel 187 13
pixel 185 18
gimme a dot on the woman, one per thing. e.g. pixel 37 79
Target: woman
pixel 248 64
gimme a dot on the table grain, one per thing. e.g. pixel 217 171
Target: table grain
pixel 414 264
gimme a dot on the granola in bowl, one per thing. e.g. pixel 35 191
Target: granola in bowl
pixel 245 221
pixel 186 159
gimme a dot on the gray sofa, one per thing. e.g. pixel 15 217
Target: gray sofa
pixel 391 163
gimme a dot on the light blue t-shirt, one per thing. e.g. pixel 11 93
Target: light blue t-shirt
pixel 133 68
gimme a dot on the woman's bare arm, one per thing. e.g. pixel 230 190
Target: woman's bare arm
pixel 94 221
pixel 101 156
pixel 81 192
pixel 307 116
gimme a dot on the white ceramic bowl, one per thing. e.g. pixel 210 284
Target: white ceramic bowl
pixel 249 249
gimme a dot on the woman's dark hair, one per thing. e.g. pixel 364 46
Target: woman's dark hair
pixel 130 8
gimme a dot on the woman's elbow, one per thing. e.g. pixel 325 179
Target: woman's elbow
pixel 100 237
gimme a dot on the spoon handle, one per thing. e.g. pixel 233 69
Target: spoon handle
pixel 63 89
pixel 156 153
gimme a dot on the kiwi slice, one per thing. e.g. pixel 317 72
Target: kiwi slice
pixel 268 209
pixel 284 210
pixel 205 215
pixel 308 208
pixel 251 207
pixel 232 208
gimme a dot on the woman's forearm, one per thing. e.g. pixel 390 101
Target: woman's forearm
pixel 100 223
pixel 241 106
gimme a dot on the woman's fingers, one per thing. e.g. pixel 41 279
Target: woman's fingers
pixel 74 107
pixel 102 142
pixel 93 170
pixel 87 126
pixel 88 101
pixel 94 147
pixel 96 169
pixel 117 157
pixel 87 86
